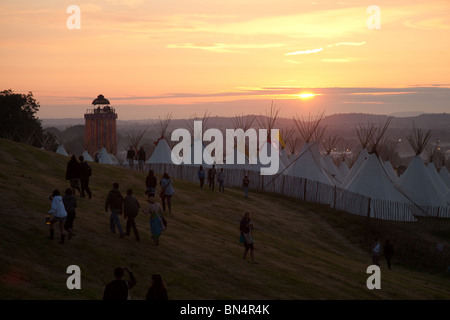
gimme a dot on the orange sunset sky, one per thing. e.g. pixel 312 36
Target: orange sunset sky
pixel 227 57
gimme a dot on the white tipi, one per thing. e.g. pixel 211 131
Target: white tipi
pixel 416 180
pixel 445 176
pixel 162 154
pixel 308 163
pixel 60 150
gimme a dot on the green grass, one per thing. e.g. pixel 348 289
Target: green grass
pixel 304 251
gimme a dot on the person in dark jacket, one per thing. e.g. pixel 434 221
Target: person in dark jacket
pixel 73 173
pixel 131 156
pixel 158 289
pixel 212 176
pixel 150 184
pixel 114 201
pixel 130 211
pixel 70 204
pixel 85 173
pixel 119 289
pixel 201 176
pixel 388 251
pixel 141 157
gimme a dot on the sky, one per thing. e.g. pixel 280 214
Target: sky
pixel 188 57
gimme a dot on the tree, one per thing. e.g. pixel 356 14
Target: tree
pixel 17 118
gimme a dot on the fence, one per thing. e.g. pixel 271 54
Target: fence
pixel 403 217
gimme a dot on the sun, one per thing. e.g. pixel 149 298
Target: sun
pixel 306 95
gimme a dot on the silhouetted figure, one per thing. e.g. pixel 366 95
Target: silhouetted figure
pixel 73 173
pixel 58 214
pixel 201 176
pixel 245 184
pixel 221 180
pixel 212 176
pixel 114 201
pixel 376 250
pixel 119 289
pixel 130 211
pixel 156 219
pixel 388 251
pixel 246 227
pixel 70 204
pixel 150 183
pixel 85 174
pixel 141 158
pixel 166 192
pixel 131 155
pixel 158 289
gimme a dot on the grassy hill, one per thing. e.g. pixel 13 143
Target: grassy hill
pixel 304 251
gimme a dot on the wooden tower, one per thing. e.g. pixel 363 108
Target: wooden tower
pixel 100 127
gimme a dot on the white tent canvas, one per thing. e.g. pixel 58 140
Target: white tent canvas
pixel 373 181
pixel 308 164
pixel 343 169
pixel 436 177
pixel 87 156
pixel 417 183
pixel 390 171
pixel 161 154
pixel 61 150
pixel 445 176
pixel 355 168
pixel 104 157
pixel 331 169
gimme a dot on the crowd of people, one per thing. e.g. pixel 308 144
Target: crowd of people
pixel 78 173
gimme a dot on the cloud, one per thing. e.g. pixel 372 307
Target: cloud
pixel 223 47
pixel 304 52
pixel 349 44
pixel 335 60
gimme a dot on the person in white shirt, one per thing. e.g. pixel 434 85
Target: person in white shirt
pixel 58 214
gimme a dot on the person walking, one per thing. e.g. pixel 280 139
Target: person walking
pixel 376 250
pixel 85 173
pixel 167 192
pixel 156 219
pixel 131 156
pixel 388 251
pixel 119 289
pixel 141 158
pixel 114 201
pixel 130 211
pixel 221 180
pixel 70 204
pixel 58 215
pixel 212 176
pixel 246 183
pixel 201 176
pixel 150 184
pixel 73 173
pixel 246 228
pixel 158 290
